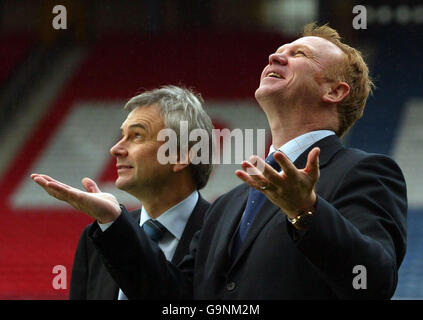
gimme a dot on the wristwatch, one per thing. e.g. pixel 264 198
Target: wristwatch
pixel 303 220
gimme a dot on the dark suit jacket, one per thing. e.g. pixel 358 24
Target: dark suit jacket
pixel 360 219
pixel 90 279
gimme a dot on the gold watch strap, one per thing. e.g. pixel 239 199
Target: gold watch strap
pixel 302 221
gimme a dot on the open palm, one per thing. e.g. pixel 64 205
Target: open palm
pixel 101 206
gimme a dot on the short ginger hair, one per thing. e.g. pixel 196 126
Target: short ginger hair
pixel 353 71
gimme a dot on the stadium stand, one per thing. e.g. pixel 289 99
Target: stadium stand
pixel 14 47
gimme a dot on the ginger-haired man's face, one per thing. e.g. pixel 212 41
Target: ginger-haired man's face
pixel 296 71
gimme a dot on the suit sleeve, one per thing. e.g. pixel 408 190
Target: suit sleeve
pixel 137 264
pixel 78 284
pixel 362 224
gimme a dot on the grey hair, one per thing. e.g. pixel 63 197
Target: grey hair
pixel 180 104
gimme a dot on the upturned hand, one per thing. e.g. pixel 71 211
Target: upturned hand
pixel 99 205
pixel 292 190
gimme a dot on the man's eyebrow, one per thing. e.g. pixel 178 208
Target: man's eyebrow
pixel 135 125
pixel 280 49
pixel 294 46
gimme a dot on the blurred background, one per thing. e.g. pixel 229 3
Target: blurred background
pixel 62 93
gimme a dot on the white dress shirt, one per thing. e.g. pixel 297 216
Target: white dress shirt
pixel 295 147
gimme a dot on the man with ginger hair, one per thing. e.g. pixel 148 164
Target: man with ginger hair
pixel 306 219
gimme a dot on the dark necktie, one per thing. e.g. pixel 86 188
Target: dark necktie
pixel 254 203
pixel 155 231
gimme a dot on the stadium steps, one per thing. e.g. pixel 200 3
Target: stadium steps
pixel 35 87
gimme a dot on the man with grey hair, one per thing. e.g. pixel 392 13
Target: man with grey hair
pixel 168 193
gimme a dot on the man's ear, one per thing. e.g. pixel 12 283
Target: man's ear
pixel 183 162
pixel 336 92
pixel 178 167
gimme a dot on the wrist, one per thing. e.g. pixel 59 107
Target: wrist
pixel 106 220
pixel 302 218
pixel 308 205
pixel 110 217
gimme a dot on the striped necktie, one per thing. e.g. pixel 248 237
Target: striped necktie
pixel 154 229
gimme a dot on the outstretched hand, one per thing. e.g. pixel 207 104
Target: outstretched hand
pixel 292 190
pixel 101 206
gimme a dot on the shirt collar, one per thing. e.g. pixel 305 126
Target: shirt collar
pixel 295 147
pixel 175 218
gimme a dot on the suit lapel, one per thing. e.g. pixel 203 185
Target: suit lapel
pixel 266 212
pixel 194 223
pixel 329 146
pixel 227 229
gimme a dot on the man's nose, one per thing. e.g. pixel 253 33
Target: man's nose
pixel 277 58
pixel 119 150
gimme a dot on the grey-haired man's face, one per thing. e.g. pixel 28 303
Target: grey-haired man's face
pixel 136 152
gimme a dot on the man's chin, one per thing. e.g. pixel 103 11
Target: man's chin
pixel 265 94
pixel 266 89
pixel 122 185
pixel 259 92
